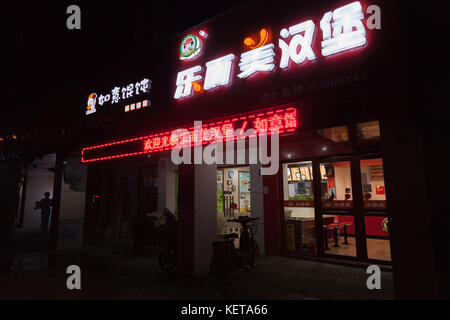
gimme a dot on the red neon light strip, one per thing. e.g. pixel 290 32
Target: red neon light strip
pixel 283 119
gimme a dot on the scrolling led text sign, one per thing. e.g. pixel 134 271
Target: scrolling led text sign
pixel 342 29
pixel 283 119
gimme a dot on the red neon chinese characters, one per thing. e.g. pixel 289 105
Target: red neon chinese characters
pixel 263 122
pixel 260 124
pixel 148 145
pixel 290 120
pixel 276 122
pixel 160 142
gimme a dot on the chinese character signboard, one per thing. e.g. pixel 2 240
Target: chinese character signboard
pixel 130 97
pixel 281 119
pixel 289 45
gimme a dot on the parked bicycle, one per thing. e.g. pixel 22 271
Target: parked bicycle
pixel 227 259
pixel 157 229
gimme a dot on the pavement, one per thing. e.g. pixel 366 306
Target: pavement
pixel 110 269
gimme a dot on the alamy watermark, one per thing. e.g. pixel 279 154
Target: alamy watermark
pixel 74 20
pixel 74 279
pixel 253 142
pixel 374 280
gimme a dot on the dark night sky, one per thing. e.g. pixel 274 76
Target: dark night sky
pixel 50 62
pixel 50 65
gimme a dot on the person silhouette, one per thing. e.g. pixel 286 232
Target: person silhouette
pixel 45 204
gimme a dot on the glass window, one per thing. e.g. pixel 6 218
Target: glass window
pixel 339 234
pixel 372 181
pixel 368 130
pixel 336 134
pixel 377 233
pixel 298 195
pixel 336 185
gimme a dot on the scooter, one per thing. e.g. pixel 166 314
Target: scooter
pixel 227 259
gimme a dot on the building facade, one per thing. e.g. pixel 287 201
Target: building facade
pixel 330 78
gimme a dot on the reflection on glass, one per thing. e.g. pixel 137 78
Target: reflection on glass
pixel 339 235
pixel 372 181
pixel 337 188
pixel 336 134
pixel 368 130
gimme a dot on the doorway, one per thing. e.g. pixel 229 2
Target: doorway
pixel 233 199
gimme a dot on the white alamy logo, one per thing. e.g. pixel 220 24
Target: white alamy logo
pixel 214 153
pixel 374 280
pixel 74 279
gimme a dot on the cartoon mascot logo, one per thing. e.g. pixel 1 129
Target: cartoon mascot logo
pixel 385 225
pixel 91 103
pixel 190 47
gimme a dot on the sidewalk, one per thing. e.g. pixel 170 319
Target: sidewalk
pixel 110 270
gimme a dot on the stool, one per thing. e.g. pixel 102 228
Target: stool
pixel 336 227
pixel 336 235
pixel 326 228
pixel 345 232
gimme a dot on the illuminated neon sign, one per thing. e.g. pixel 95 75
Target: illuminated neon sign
pixel 136 94
pixel 342 29
pixel 282 119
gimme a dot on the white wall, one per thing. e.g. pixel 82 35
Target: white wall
pixel 235 182
pixel 72 205
pixel 167 179
pixel 205 217
pixel 342 180
pixel 222 225
pixel 39 180
pixel 297 212
pixel 374 185
pixel 71 219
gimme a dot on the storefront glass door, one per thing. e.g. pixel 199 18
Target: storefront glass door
pixel 353 208
pixel 375 209
pixel 338 221
pixel 298 204
pixel 348 219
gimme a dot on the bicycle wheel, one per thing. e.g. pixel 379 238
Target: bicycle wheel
pixel 254 255
pixel 167 259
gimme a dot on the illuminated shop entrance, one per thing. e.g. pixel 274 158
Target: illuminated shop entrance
pixel 336 207
pixel 233 199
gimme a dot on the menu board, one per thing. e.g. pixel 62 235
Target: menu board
pixel 304 173
pixel 295 174
pixel 219 191
pixel 289 174
pixel 376 172
pixel 244 191
pixel 323 172
pixel 299 174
